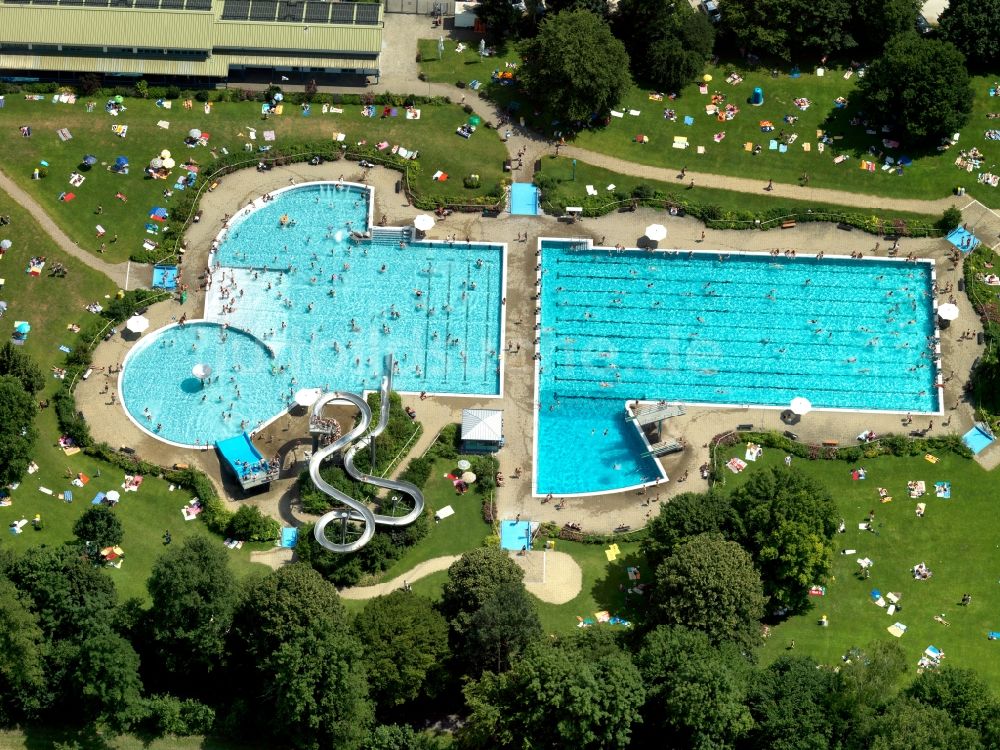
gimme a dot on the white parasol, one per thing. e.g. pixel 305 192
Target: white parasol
pixel 423 222
pixel 656 232
pixel 307 396
pixel 5 244
pixel 464 465
pixel 137 324
pixel 800 406
pixel 164 154
pixel 948 311
pixel 168 163
pixel 201 371
pixel 113 495
pixel 468 477
pixel 194 133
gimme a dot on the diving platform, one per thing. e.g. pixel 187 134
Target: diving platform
pixel 656 413
pixel 664 448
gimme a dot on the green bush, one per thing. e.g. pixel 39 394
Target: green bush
pixel 248 524
pixel 71 422
pixel 951 218
pixel 485 467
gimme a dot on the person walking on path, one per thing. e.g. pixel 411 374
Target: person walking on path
pixel 770 186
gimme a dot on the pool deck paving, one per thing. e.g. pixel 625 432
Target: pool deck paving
pixel 600 513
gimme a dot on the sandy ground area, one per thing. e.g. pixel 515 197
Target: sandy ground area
pixel 415 574
pixel 563 577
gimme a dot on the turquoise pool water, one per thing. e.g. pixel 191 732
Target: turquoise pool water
pixel 515 535
pixel 977 440
pixel 523 199
pixel 307 306
pixel 749 329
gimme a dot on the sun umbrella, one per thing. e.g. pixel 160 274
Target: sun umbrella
pixel 307 396
pixel 164 154
pixel 113 495
pixel 137 324
pixel 464 465
pixel 468 477
pixel 423 222
pixel 3 305
pixel 119 99
pixel 194 133
pixel 475 120
pixel 656 232
pixel 948 311
pixel 800 405
pixel 90 160
pixel 5 244
pixel 201 370
pixel 279 97
pixel 156 163
pixel 23 327
pixel 168 163
pixel 706 78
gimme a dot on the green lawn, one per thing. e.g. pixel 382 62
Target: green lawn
pixel 229 122
pixel 954 539
pixel 462 66
pixel 50 304
pixel 573 192
pixel 933 174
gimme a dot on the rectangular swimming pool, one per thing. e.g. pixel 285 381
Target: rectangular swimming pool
pixel 523 199
pixel 697 327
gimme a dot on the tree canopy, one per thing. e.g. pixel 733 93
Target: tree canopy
pixel 18 363
pixel 581 692
pixel 676 41
pixel 788 525
pixel 502 19
pixel 921 85
pixel 100 527
pixel 502 627
pixel 17 429
pixel 406 647
pixel 711 585
pixel 575 68
pixel 911 725
pixel 193 595
pixel 791 701
pixel 688 514
pixel 695 692
pixel 973 26
pixel 22 668
pixel 299 673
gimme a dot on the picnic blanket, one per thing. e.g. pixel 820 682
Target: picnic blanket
pixel 268 135
pixel 64 134
pixel 736 465
pixel 917 489
pixel 943 490
pixel 616 113
pixel 412 114
pixel 897 629
pixel 163 124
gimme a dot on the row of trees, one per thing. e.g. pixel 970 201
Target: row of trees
pixel 277 658
pixel 20 380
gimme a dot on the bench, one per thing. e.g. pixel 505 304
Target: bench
pixel 845 227
pixel 490 213
pixel 791 435
pixel 788 224
pixel 744 427
pixel 831 443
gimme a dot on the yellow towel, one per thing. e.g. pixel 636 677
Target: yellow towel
pixel 931 459
pixel 807 147
pixel 748 146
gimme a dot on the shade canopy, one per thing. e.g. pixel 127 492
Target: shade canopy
pixel 23 327
pixel 948 311
pixel 201 370
pixel 168 163
pixel 3 305
pixel 119 99
pixel 164 154
pixel 482 425
pixel 707 77
pixel 423 222
pixel 137 324
pixel 307 396
pixel 800 405
pixel 468 477
pixel 5 244
pixel 464 465
pixel 279 97
pixel 113 495
pixel 155 163
pixel 194 133
pixel 90 160
pixel 656 232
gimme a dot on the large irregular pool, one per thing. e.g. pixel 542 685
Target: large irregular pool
pixel 698 327
pixel 296 302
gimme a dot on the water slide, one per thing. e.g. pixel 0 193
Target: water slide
pixel 355 509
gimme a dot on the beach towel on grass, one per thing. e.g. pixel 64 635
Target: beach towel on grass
pixel 268 135
pixel 64 134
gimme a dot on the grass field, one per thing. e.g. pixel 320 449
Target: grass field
pixel 954 538
pixel 50 304
pixel 932 175
pixel 573 192
pixel 229 125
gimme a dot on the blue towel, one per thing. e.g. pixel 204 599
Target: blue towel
pixel 876 593
pixel 993 635
pixel 98 499
pixel 782 148
pixel 773 145
pixel 688 120
pixel 67 496
pixel 64 348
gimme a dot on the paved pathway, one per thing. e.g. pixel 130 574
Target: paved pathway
pixel 116 272
pixel 419 571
